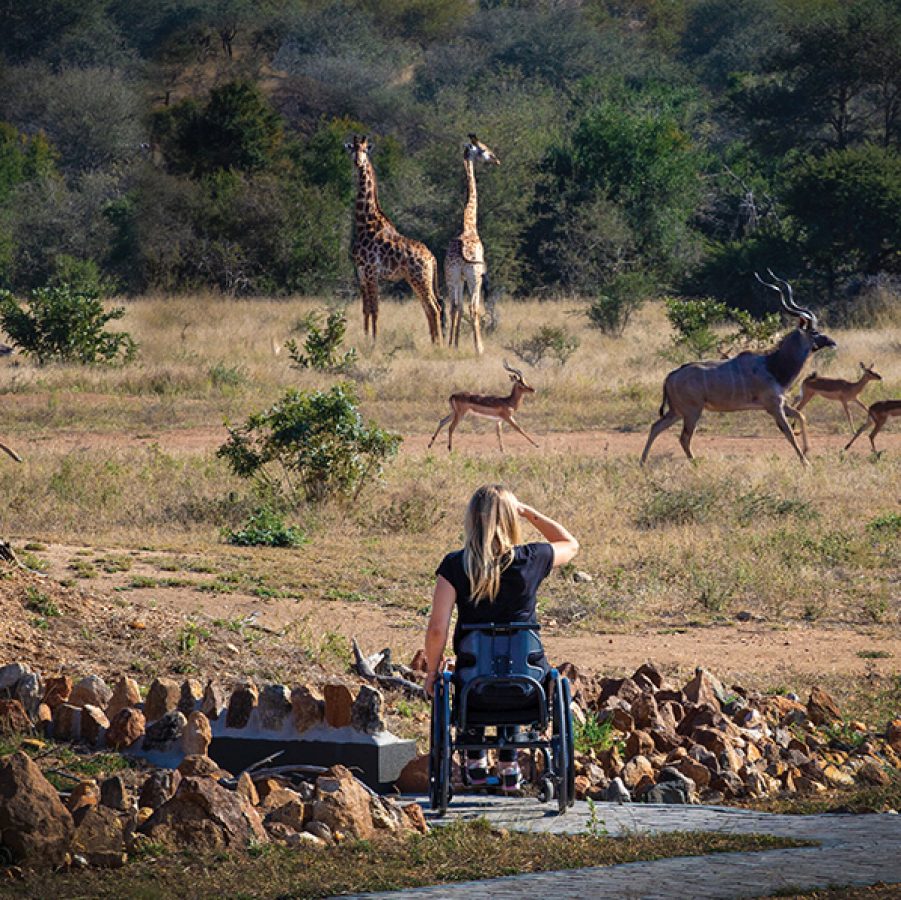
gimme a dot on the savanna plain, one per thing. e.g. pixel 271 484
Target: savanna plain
pixel 743 561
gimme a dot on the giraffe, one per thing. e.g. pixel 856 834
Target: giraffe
pixel 464 264
pixel 380 251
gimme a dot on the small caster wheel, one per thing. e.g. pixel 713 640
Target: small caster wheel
pixel 546 791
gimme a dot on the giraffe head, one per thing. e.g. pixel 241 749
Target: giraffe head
pixel 476 150
pixel 359 150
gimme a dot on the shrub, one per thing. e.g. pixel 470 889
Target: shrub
pixel 265 528
pixel 322 346
pixel 693 321
pixel 64 324
pixel 549 339
pixel 314 442
pixel 619 299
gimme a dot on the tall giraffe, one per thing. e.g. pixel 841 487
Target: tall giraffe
pixel 380 251
pixel 464 264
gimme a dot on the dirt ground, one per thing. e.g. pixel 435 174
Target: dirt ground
pixel 482 439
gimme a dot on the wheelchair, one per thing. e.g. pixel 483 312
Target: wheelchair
pixel 494 662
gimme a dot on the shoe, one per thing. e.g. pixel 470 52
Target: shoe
pixel 477 771
pixel 510 779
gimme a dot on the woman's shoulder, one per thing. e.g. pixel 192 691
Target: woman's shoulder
pixel 451 564
pixel 538 549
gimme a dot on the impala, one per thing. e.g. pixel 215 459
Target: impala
pixel 500 409
pixel 880 412
pixel 747 381
pixel 837 389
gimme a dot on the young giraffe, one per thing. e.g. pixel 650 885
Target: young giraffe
pixel 380 251
pixel 464 265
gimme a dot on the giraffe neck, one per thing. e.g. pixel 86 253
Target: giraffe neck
pixel 470 211
pixel 368 214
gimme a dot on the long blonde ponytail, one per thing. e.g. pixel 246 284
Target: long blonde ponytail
pixel 492 533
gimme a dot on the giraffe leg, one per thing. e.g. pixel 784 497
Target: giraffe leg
pixel 474 280
pixel 455 289
pixel 423 289
pixel 370 290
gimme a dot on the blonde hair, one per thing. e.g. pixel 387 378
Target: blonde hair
pixel 492 533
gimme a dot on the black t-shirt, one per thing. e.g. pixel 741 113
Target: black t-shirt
pixel 515 601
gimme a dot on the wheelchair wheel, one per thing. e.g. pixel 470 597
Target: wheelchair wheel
pixel 440 749
pixel 562 750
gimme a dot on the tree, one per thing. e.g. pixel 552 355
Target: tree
pixel 847 205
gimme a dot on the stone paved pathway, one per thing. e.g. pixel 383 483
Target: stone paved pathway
pixel 854 850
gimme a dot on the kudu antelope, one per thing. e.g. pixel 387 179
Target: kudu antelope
pixel 747 381
pixel 500 409
pixel 837 389
pixel 879 412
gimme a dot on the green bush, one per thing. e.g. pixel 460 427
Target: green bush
pixel 265 528
pixel 322 346
pixel 548 340
pixel 623 295
pixel 313 443
pixel 693 321
pixel 64 324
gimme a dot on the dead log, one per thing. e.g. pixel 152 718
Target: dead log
pixel 11 452
pixel 365 669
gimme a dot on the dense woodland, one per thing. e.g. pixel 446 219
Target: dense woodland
pixel 647 146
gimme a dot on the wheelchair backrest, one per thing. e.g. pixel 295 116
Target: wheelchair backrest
pixel 498 651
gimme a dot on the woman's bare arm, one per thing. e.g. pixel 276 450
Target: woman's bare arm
pixel 443 600
pixel 564 544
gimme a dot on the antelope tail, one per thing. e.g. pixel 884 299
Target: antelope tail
pixel 662 411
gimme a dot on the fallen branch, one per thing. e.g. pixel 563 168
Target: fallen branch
pixel 7 554
pixel 11 452
pixel 364 669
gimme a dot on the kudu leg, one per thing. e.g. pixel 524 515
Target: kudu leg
pixel 689 423
pixel 664 422
pixel 512 422
pixel 802 422
pixel 778 414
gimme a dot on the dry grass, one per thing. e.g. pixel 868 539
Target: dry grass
pixel 674 543
pixel 458 852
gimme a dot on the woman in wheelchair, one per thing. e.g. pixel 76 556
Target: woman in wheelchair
pixel 493 578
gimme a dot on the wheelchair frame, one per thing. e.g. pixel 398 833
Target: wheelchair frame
pixel 501 659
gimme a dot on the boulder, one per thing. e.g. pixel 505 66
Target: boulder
pixel 126 694
pixel 164 734
pixel 162 697
pixel 366 712
pixel 635 769
pixel 241 705
pixel 11 674
pixel 159 787
pixel 416 817
pixel 873 773
pixel 203 815
pixel 57 690
pixel 307 707
pixel 666 792
pixel 651 673
pixel 34 825
pixel 190 696
pixel 197 736
pixel 893 735
pixel 214 702
pixel 644 711
pixel 290 813
pixel 420 662
pixel 822 708
pixel 83 795
pixel 30 693
pixel 67 722
pixel 694 770
pixel 617 792
pixel 113 793
pixel 338 704
pixel 342 803
pixel 125 729
pixel 639 743
pixel 91 690
pixel 414 777
pixel 704 689
pixel 319 830
pixel 100 838
pixel 93 724
pixel 13 718
pixel 274 707
pixel 200 766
